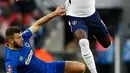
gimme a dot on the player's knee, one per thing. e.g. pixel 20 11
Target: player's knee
pixel 82 68
pixel 80 34
pixel 107 44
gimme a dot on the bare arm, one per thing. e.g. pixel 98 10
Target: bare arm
pixel 60 11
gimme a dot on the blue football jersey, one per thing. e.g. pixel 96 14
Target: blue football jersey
pixel 23 60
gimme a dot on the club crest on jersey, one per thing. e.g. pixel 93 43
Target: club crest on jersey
pixel 9 69
pixel 27 44
pixel 74 22
pixel 28 60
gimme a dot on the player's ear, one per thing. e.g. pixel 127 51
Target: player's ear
pixel 10 41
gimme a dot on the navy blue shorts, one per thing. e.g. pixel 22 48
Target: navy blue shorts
pixel 55 67
pixel 92 24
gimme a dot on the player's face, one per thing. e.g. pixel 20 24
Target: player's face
pixel 18 40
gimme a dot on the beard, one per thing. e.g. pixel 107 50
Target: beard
pixel 16 45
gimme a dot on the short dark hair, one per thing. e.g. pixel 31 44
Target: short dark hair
pixel 10 32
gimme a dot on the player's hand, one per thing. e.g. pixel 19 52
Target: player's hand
pixel 60 11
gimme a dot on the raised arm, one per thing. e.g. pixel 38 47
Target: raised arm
pixel 60 11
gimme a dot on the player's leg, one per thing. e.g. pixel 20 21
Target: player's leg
pixel 74 67
pixel 80 30
pixel 65 67
pixel 104 41
pixel 99 29
pixel 86 53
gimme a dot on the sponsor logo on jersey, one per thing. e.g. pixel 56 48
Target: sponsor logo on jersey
pixel 28 60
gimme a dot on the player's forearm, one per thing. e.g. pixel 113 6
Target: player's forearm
pixel 60 11
pixel 45 19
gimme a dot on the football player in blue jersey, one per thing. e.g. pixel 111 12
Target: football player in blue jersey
pixel 19 57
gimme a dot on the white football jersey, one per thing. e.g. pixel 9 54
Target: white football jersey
pixel 80 8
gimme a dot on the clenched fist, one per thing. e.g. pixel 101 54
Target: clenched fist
pixel 60 11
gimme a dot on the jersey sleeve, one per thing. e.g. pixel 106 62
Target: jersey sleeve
pixel 26 34
pixel 11 67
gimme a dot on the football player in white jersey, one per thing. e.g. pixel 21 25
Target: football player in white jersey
pixel 83 18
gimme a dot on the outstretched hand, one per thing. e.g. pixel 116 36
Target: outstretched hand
pixel 60 11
